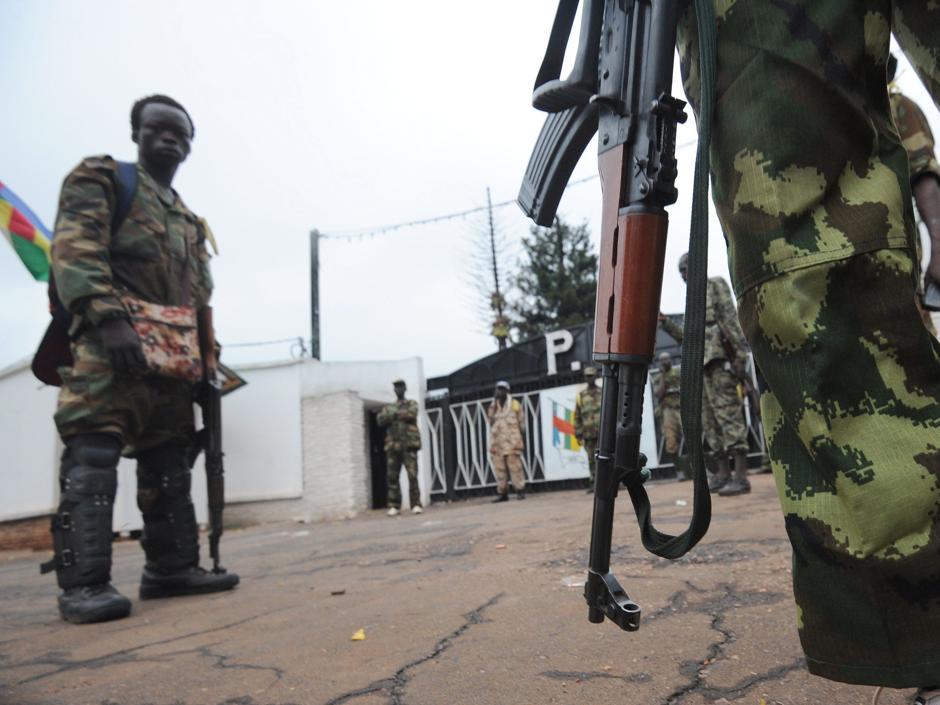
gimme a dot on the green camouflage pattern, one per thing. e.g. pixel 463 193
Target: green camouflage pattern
pixel 812 187
pixel 394 459
pixel 671 424
pixel 590 447
pixel 724 339
pixel 400 421
pixel 666 389
pixel 587 414
pixel 915 134
pixel 723 412
pixel 143 412
pixel 93 267
pixel 145 258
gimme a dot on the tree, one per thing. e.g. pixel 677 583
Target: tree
pixel 488 277
pixel 557 280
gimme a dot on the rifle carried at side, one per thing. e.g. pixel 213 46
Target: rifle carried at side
pixel 620 87
pixel 209 438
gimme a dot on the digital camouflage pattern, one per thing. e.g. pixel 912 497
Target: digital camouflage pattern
pixel 400 421
pixel 587 422
pixel 722 406
pixel 169 337
pixel 812 188
pixel 915 134
pixel 394 459
pixel 506 443
pixel 666 389
pixel 93 268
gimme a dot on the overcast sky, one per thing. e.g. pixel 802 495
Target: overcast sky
pixel 340 116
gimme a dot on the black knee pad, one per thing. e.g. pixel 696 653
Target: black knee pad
pixel 170 537
pixel 81 527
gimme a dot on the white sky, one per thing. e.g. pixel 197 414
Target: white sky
pixel 309 114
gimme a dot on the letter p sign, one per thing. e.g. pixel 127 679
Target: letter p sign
pixel 559 341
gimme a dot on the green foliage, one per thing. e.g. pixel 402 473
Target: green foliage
pixel 557 280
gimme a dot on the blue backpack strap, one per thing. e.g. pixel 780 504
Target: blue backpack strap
pixel 125 187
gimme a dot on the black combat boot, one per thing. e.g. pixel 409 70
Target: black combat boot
pixel 171 537
pixel 504 497
pixel 520 494
pixel 720 478
pixel 739 484
pixel 81 530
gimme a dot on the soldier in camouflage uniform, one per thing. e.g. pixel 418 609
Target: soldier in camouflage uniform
pixel 587 419
pixel 105 404
pixel 666 390
pixel 402 443
pixel 812 186
pixel 506 443
pixel 918 142
pixel 722 408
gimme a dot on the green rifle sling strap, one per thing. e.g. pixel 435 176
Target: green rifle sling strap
pixel 693 343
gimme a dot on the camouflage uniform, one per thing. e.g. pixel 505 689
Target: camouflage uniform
pixel 402 443
pixel 587 420
pixel 812 187
pixel 918 142
pixel 146 259
pixel 506 444
pixel 666 388
pixel 722 410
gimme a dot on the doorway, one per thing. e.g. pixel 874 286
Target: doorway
pixel 377 462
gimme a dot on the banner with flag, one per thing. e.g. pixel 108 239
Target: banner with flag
pixel 563 428
pixel 28 236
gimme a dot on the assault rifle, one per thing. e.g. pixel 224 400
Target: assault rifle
pixel 210 435
pixel 620 88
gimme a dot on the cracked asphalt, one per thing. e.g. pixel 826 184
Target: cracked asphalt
pixel 469 603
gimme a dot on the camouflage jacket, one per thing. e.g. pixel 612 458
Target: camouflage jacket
pixel 145 258
pixel 587 414
pixel 915 135
pixel 721 324
pixel 666 389
pixel 506 424
pixel 400 421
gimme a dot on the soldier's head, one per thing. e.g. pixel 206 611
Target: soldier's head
pixel 502 390
pixel 163 132
pixel 399 386
pixel 665 361
pixel 590 375
pixel 684 267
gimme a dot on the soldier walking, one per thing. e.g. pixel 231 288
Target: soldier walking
pixel 587 419
pixel 506 443
pixel 725 361
pixel 109 403
pixel 402 443
pixel 666 390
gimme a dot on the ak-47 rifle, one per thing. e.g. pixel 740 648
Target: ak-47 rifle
pixel 210 435
pixel 620 87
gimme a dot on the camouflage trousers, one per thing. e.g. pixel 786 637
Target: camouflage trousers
pixel 811 185
pixel 590 447
pixel 672 430
pixel 394 459
pixel 506 467
pixel 144 412
pixel 722 412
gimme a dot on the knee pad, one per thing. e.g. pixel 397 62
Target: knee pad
pixel 81 526
pixel 170 537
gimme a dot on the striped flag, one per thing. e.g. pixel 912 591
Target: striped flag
pixel 28 236
pixel 563 428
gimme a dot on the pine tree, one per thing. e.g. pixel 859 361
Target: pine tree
pixel 557 280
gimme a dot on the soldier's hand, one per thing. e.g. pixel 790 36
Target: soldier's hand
pixel 122 345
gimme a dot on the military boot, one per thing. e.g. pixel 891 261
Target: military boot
pixel 501 497
pixel 683 472
pixel 720 478
pixel 171 537
pixel 81 530
pixel 927 696
pixel 739 484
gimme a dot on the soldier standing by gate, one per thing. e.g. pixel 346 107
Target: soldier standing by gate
pixel 587 418
pixel 506 444
pixel 666 389
pixel 402 443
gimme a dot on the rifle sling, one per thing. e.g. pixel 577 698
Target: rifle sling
pixel 693 348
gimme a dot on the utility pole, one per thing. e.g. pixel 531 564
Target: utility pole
pixel 500 325
pixel 315 293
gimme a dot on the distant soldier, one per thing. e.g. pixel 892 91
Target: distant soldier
pixel 725 361
pixel 506 444
pixel 918 142
pixel 666 389
pixel 402 443
pixel 587 418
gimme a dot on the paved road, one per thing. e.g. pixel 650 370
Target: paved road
pixel 471 603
